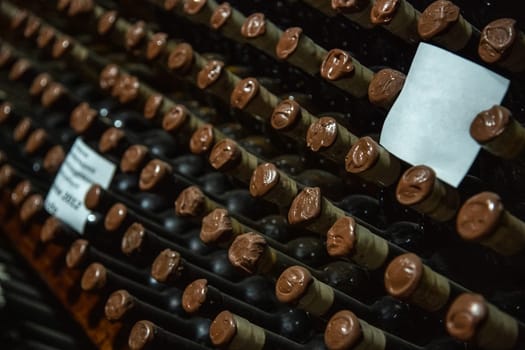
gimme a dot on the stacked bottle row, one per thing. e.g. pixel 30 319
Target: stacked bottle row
pixel 249 220
pixel 30 316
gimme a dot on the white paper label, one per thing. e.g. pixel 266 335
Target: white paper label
pixel 81 168
pixel 429 122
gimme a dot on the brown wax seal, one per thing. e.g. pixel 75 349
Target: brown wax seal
pixel 40 82
pixel 292 284
pixel 77 253
pixel 152 106
pixel 61 46
pixel 51 229
pixel 264 178
pixel 285 114
pixel 19 18
pixel 54 158
pixel 254 26
pixel 118 304
pixel 82 117
pixel 181 58
pixel 142 334
pixel 106 22
pixel 350 6
pixel 341 237
pixel 305 206
pixel 5 56
pixel 436 18
pixel 383 11
pixel 52 94
pixel 115 217
pixel 35 141
pixel 216 227
pixel 189 202
pixel 22 129
pixel 416 185
pixel 220 15
pixel 496 39
pixel 202 139
pixel 362 156
pixel 288 42
pixel 63 4
pixel 385 87
pixel 336 65
pixel 174 118
pixel 156 44
pixel 94 277
pixel 135 34
pixel 225 155
pixel 133 158
pixel 133 239
pixel 109 76
pixel 244 92
pixel 490 123
pixel 403 275
pixel 193 7
pixel 92 198
pixel 126 88
pixel 31 206
pixel 223 329
pixel 6 174
pixel 479 216
pixel 78 7
pixel 246 251
pixel 170 4
pixel 20 192
pixel 343 331
pixel 110 139
pixel 32 26
pixel 19 68
pixel 5 111
pixel 321 133
pixel 153 173
pixel 45 36
pixel 166 265
pixel 209 73
pixel 194 295
pixel 466 316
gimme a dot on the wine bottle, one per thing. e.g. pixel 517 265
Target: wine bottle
pixel 452 31
pixel 228 329
pixel 498 132
pixel 125 307
pixel 201 298
pixel 81 253
pixel 142 245
pixel 472 319
pixel 251 253
pixel 385 86
pixel 147 335
pixel 297 286
pixel 169 268
pixel 420 189
pixel 220 228
pixel 484 219
pixel 313 211
pixel 101 280
pixel 408 279
pixel 399 17
pixel 507 52
pixel 345 331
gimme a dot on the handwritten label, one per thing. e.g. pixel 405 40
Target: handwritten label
pixel 81 168
pixel 430 120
